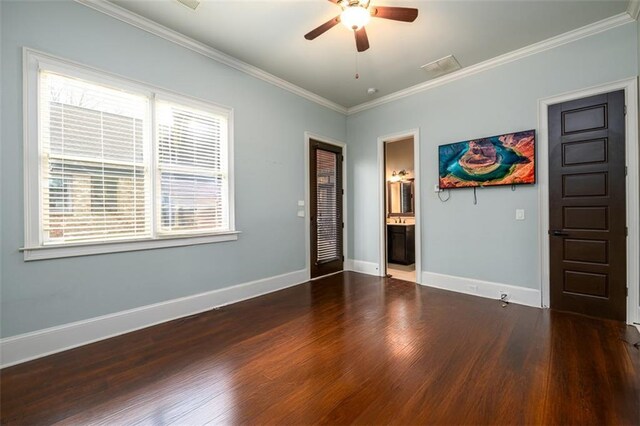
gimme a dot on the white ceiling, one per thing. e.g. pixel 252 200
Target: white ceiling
pixel 269 35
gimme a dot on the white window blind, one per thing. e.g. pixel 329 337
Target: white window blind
pixel 94 151
pixel 327 214
pixel 115 165
pixel 192 170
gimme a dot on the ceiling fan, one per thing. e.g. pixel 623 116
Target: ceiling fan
pixel 355 15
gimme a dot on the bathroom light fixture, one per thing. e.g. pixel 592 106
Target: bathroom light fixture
pixel 398 176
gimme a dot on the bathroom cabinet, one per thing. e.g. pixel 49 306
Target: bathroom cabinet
pixel 401 244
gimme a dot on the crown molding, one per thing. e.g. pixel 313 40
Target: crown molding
pixel 154 28
pixel 550 43
pixel 634 9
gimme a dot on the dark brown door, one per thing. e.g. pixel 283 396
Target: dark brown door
pixel 587 218
pixel 326 208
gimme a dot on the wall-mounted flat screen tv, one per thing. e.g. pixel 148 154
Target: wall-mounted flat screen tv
pixel 497 160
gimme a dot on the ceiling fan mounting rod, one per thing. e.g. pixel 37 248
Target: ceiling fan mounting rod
pixel 353 3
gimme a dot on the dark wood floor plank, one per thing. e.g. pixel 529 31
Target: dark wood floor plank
pixel 347 349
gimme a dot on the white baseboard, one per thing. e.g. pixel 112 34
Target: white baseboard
pixel 28 346
pixel 491 290
pixel 363 267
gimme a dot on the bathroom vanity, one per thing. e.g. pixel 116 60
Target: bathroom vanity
pixel 401 243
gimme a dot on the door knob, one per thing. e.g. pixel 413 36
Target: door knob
pixel 556 233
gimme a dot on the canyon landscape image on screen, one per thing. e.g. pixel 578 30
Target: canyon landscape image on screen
pixel 498 160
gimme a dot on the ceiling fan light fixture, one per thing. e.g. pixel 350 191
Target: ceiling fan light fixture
pixel 355 17
pixel 356 14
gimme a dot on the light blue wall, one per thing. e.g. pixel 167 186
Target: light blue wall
pixel 477 241
pixel 269 132
pixel 269 126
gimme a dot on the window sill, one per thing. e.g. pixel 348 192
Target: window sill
pixel 87 249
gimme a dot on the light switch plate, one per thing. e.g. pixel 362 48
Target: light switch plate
pixel 300 203
pixel 300 213
pixel 519 214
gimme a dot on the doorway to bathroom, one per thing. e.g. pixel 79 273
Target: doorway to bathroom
pixel 400 234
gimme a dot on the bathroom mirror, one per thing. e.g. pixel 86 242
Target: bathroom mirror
pixel 400 195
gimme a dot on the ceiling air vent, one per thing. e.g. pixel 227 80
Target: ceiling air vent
pixel 441 67
pixel 191 4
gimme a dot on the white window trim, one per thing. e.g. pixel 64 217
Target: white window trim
pixel 33 248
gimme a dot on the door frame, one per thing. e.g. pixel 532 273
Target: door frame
pixel 382 222
pixel 307 182
pixel 630 87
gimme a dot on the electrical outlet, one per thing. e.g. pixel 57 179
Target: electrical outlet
pixel 473 288
pixel 300 213
pixel 519 214
pixel 436 188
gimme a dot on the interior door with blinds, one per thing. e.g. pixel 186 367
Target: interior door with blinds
pixel 325 166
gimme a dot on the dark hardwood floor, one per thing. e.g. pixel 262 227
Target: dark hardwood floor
pixel 350 348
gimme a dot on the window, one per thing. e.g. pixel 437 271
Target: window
pixel 191 169
pixel 113 165
pixel 94 170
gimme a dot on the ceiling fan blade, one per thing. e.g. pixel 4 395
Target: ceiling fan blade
pixel 405 14
pixel 362 41
pixel 322 28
